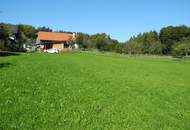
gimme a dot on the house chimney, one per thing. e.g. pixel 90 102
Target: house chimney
pixel 74 35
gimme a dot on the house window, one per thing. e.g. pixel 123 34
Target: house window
pixel 66 45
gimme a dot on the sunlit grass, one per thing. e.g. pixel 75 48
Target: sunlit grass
pixel 93 91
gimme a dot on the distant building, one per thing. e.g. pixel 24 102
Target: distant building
pixel 61 41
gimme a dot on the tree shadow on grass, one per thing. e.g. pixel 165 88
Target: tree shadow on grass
pixel 7 53
pixel 4 65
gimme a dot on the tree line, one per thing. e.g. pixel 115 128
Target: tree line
pixel 171 40
pixel 13 37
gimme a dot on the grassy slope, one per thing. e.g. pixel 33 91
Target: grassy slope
pixel 93 91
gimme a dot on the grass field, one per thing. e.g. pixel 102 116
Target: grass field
pixel 93 91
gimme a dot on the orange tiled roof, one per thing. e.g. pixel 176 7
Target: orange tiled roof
pixel 54 36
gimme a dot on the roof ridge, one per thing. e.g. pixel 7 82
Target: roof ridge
pixel 54 32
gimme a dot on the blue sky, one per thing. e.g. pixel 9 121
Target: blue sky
pixel 121 19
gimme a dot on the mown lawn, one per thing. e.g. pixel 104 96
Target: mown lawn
pixel 93 91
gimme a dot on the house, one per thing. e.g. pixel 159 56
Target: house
pixel 61 41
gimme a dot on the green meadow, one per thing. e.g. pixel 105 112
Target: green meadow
pixel 92 91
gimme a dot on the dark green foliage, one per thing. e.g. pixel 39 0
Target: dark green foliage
pixel 4 37
pixel 12 37
pixel 181 48
pixel 133 47
pixel 121 48
pixel 170 35
pixel 62 31
pixel 45 29
pixel 146 43
pixel 21 38
pixel 4 33
pixel 29 31
pixel 83 40
pixel 102 42
pixel 152 43
pixel 7 37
